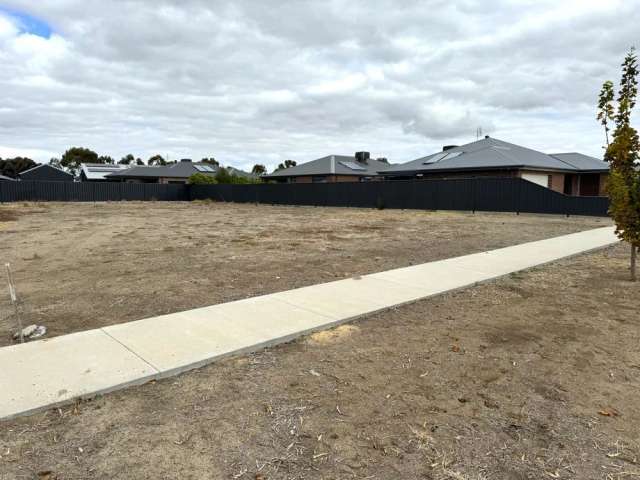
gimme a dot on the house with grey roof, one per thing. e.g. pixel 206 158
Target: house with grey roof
pixel 45 173
pixel 99 172
pixel 568 173
pixel 332 168
pixel 175 173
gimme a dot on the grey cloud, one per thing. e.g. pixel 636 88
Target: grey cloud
pixel 262 81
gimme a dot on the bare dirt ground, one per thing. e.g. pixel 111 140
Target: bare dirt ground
pixel 80 266
pixel 534 376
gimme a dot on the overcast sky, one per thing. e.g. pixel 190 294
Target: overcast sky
pixel 260 81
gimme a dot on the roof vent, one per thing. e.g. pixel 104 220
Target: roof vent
pixel 448 147
pixel 486 136
pixel 362 157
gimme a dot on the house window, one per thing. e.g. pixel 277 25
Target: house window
pixel 319 179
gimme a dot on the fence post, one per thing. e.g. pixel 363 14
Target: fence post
pixel 473 194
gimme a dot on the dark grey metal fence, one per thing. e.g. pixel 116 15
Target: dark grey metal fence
pixel 89 192
pixel 482 194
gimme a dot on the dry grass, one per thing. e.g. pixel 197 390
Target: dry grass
pixel 82 265
pixel 8 214
pixel 534 376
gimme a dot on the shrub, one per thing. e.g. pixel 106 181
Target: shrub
pixel 202 179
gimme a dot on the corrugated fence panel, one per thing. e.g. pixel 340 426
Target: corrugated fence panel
pixel 482 194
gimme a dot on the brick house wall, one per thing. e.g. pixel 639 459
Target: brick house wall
pixel 556 182
pixel 604 177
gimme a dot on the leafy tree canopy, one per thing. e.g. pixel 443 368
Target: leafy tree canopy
pixel 211 161
pixel 605 107
pixel 259 169
pixel 286 164
pixel 157 160
pixel 126 160
pixel 11 167
pixel 223 175
pixel 72 158
pixel 202 179
pixel 623 154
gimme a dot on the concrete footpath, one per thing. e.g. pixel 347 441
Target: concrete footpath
pixel 47 373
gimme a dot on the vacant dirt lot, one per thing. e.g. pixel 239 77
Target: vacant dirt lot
pixel 80 266
pixel 534 376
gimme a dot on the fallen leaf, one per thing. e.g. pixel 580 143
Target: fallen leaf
pixel 455 348
pixel 609 412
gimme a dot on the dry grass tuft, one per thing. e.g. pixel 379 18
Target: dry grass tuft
pixel 8 215
pixel 332 336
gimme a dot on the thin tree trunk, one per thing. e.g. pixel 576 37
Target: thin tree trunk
pixel 634 251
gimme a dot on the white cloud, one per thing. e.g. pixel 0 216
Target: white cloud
pixel 251 82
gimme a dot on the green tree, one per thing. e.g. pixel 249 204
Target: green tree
pixel 623 154
pixel 106 159
pixel 286 164
pixel 605 107
pixel 126 160
pixel 259 169
pixel 211 161
pixel 139 161
pixel 11 167
pixel 72 158
pixel 223 176
pixel 157 160
pixel 202 179
pixel 55 162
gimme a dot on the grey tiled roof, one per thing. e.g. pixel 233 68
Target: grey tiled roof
pixel 581 161
pixel 98 171
pixel 489 154
pixel 175 170
pixel 44 165
pixel 331 165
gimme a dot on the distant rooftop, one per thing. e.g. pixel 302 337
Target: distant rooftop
pixel 99 171
pixel 332 165
pixel 491 153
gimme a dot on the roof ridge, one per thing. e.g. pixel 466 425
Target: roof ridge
pixel 565 162
pixel 44 165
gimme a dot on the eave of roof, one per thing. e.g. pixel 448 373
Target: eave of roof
pixel 45 165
